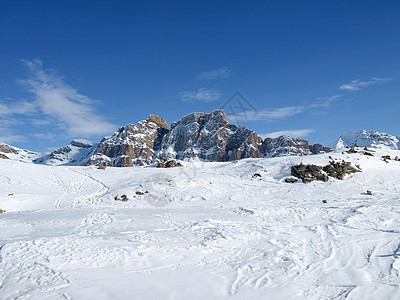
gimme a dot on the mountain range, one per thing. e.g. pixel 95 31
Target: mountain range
pixel 207 136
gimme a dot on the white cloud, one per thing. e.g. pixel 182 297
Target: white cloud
pixel 297 133
pixel 45 136
pixel 268 115
pixel 9 139
pixel 356 84
pixel 220 73
pixel 324 101
pixel 74 112
pixel 19 108
pixel 203 95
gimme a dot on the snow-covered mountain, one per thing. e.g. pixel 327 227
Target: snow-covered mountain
pixel 75 154
pixel 207 136
pixel 14 153
pixel 365 138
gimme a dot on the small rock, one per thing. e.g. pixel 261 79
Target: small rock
pixel 290 180
pixel 2 211
pixel 324 201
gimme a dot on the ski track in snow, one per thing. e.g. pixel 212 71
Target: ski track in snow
pixel 225 235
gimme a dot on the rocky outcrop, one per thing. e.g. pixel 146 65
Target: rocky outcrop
pixel 309 173
pixel 209 137
pixel 131 145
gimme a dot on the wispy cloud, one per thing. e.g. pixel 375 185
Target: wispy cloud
pixel 298 133
pixel 9 139
pixel 220 73
pixel 54 98
pixel 17 108
pixel 202 95
pixel 45 136
pixel 324 102
pixel 357 84
pixel 268 115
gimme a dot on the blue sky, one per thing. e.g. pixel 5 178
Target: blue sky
pixel 312 69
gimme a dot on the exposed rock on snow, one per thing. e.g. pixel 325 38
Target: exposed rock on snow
pixel 308 173
pixel 3 156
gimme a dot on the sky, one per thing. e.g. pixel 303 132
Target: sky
pixel 309 69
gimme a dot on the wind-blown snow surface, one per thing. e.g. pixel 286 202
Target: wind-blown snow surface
pixel 205 231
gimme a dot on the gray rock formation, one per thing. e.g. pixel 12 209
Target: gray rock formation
pixel 285 146
pixel 209 137
pixel 132 145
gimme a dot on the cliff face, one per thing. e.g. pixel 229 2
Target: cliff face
pixel 132 145
pixel 209 137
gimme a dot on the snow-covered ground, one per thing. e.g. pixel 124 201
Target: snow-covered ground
pixel 204 231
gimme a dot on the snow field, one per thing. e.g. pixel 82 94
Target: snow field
pixel 208 230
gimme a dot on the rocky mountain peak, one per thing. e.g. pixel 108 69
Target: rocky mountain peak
pixel 160 122
pixel 131 144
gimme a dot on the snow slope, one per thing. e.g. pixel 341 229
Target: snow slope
pixel 204 231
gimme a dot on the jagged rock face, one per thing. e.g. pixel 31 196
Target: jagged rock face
pixel 209 137
pixel 364 138
pixel 76 153
pixel 131 145
pixel 285 146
